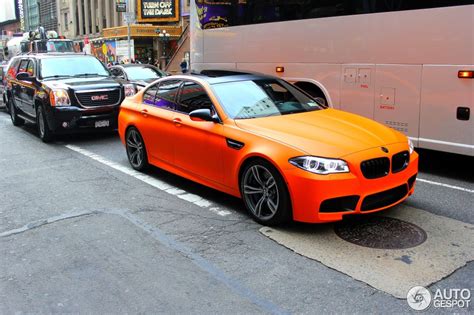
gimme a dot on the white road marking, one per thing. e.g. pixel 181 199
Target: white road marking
pixel 182 194
pixel 445 185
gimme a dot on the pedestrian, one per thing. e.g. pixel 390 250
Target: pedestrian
pixel 184 65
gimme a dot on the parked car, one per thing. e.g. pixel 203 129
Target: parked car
pixel 140 75
pixel 63 93
pixel 3 71
pixel 262 139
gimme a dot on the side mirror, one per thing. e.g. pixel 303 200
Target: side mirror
pixel 203 114
pixel 24 76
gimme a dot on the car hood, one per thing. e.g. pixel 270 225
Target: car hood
pixel 326 133
pixel 78 84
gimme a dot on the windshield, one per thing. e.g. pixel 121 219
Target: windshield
pixel 60 46
pixel 72 66
pixel 262 98
pixel 142 73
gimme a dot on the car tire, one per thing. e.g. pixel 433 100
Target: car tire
pixel 136 150
pixel 265 193
pixel 16 121
pixel 45 134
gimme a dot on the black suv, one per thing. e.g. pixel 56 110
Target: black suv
pixel 63 93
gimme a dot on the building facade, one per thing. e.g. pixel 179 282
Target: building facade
pixel 86 18
pixel 40 13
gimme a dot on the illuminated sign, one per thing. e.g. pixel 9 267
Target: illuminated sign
pixel 158 10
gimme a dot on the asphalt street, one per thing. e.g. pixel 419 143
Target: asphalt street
pixel 80 232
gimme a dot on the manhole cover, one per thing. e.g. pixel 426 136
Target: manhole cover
pixel 380 232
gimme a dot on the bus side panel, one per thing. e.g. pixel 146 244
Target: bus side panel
pixel 197 37
pixel 442 94
pixel 324 76
pixel 397 98
pixel 357 89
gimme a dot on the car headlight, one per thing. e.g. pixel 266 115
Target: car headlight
pixel 411 146
pixel 59 97
pixel 129 89
pixel 319 165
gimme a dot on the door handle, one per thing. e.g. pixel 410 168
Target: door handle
pixel 144 112
pixel 177 122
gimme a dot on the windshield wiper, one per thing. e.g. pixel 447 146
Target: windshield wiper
pixel 57 76
pixel 90 75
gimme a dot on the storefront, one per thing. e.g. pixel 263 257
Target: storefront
pixel 146 44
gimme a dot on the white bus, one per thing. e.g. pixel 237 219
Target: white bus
pixel 407 64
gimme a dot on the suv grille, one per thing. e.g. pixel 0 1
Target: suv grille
pixel 400 161
pixel 375 168
pixel 99 98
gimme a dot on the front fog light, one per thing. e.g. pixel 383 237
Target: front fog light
pixel 319 165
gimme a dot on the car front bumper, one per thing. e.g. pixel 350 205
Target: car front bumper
pixel 327 198
pixel 74 119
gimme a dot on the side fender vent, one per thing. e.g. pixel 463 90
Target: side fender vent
pixel 234 144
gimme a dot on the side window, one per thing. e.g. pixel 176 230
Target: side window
pixel 13 70
pixel 166 95
pixel 23 65
pixel 149 95
pixel 30 69
pixel 192 97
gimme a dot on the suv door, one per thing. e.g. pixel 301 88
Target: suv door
pixel 18 87
pixel 30 90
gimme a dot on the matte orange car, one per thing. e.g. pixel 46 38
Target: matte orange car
pixel 264 140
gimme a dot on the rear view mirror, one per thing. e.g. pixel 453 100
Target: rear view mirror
pixel 203 114
pixel 24 76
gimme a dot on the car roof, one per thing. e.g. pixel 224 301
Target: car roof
pixel 52 55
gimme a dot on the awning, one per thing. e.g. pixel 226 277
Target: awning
pixel 137 30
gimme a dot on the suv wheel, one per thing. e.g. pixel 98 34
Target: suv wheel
pixel 44 132
pixel 17 121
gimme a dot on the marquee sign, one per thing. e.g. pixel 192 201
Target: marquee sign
pixel 158 10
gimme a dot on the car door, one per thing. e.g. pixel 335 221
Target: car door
pixel 30 90
pixel 198 145
pixel 19 88
pixel 156 124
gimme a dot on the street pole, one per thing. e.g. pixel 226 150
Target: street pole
pixel 129 12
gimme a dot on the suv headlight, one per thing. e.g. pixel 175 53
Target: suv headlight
pixel 319 165
pixel 59 97
pixel 129 90
pixel 411 146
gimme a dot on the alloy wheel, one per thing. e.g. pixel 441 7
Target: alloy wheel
pixel 135 149
pixel 260 192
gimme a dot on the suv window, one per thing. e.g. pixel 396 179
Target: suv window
pixel 30 69
pixel 12 70
pixel 192 97
pixel 23 65
pixel 166 95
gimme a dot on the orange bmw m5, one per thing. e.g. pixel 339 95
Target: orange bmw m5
pixel 264 140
